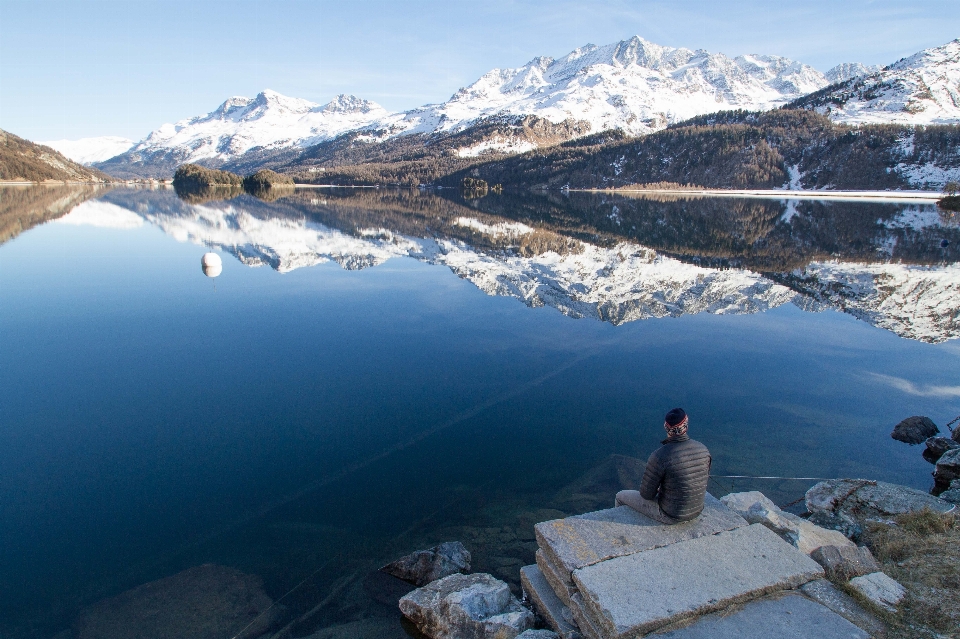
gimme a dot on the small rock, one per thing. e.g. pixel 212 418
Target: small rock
pixel 952 496
pixel 937 446
pixel 756 508
pixel 538 634
pixel 948 469
pixel 955 435
pixel 424 566
pixel 842 563
pixel 476 606
pixel 914 430
pixel 880 589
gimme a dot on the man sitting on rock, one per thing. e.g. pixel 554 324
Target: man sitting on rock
pixel 676 476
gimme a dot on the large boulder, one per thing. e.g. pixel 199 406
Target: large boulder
pixel 206 602
pixel 476 606
pixel 756 508
pixel 914 430
pixel 937 446
pixel 948 469
pixel 846 504
pixel 843 563
pixel 424 566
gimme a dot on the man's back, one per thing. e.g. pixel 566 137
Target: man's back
pixel 680 469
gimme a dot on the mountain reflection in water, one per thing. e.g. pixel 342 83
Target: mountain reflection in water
pixel 613 258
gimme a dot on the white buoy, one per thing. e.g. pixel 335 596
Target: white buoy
pixel 211 264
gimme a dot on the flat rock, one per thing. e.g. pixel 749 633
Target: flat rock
pixel 642 592
pixel 937 446
pixel 790 616
pixel 476 606
pixel 208 602
pixel 575 542
pixel 825 593
pixel 880 589
pixel 547 604
pixel 537 634
pixel 843 563
pixel 914 430
pixel 845 504
pixel 756 508
pixel 424 566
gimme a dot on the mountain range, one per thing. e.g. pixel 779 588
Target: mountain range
pixel 634 87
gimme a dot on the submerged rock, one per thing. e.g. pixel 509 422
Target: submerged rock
pixel 914 430
pixel 937 446
pixel 424 566
pixel 880 589
pixel 846 504
pixel 948 470
pixel 756 508
pixel 205 602
pixel 842 563
pixel 476 606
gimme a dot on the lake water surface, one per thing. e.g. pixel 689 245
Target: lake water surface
pixel 375 372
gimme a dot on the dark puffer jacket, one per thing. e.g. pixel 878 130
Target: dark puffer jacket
pixel 679 471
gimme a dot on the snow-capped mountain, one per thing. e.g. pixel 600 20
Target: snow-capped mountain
pixel 634 85
pixel 617 284
pixel 267 122
pixel 90 150
pixel 921 89
pixel 849 70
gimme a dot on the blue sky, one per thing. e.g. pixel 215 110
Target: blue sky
pixel 71 69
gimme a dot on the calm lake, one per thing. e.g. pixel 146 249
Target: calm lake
pixel 376 372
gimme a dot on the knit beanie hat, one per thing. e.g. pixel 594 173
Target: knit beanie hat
pixel 675 416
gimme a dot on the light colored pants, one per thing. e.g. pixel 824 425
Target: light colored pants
pixel 643 506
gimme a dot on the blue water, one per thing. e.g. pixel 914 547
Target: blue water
pixel 152 418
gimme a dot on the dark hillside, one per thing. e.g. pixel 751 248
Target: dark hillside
pixel 24 161
pixel 738 149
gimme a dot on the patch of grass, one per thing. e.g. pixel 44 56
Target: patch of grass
pixel 922 552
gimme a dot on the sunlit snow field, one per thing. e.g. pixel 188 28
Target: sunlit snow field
pixel 357 385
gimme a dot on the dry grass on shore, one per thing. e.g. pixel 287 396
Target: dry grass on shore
pixel 922 552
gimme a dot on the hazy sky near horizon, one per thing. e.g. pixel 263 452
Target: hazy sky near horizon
pixel 81 68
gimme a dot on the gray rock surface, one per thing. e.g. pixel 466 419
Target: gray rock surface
pixel 424 566
pixel 476 606
pixel 560 582
pixel 880 589
pixel 547 604
pixel 756 508
pixel 937 446
pixel 826 594
pixel 914 430
pixel 642 592
pixel 790 616
pixel 207 601
pixel 537 634
pixel 580 541
pixel 955 433
pixel 948 469
pixel 845 504
pixel 843 563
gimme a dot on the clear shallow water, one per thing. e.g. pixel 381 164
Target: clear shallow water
pixel 153 419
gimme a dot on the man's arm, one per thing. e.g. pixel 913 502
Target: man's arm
pixel 652 478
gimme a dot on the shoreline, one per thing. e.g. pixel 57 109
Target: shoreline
pixel 783 194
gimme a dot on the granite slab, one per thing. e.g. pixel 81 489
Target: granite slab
pixel 547 605
pixel 791 616
pixel 575 542
pixel 635 594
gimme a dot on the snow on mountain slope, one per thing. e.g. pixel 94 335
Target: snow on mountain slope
pixel 268 121
pixel 90 150
pixel 849 70
pixel 618 284
pixel 634 85
pixel 921 89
